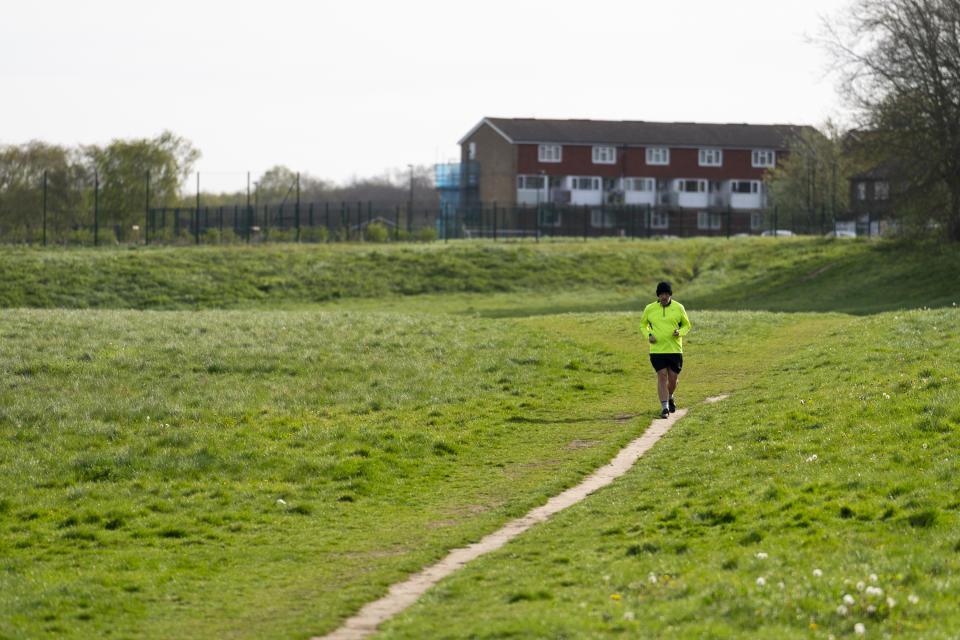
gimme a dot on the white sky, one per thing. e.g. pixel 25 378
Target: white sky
pixel 363 87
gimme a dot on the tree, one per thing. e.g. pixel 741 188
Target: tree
pixel 122 167
pixel 21 190
pixel 813 177
pixel 900 64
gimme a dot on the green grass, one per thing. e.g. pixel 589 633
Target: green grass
pixel 839 456
pixel 492 279
pixel 264 469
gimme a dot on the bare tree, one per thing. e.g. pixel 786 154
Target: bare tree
pixel 900 65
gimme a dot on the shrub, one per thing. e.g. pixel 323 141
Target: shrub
pixel 427 234
pixel 211 236
pixel 376 232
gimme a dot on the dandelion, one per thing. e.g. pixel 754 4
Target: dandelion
pixel 891 603
pixel 761 581
pixel 924 445
pixel 874 591
pixel 873 576
pixel 812 458
pixel 817 573
pixel 729 448
pixel 913 598
pixel 861 586
pixel 848 599
pixel 859 629
pixel 614 596
pixel 652 578
pixel 781 586
pixel 871 609
pixel 842 610
pixel 761 556
pixel 281 501
pixel 628 615
pixel 886 395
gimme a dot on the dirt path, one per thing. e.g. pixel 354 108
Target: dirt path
pixel 403 594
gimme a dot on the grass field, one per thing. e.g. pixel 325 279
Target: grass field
pixel 263 469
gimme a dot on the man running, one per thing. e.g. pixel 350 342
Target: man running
pixel 665 322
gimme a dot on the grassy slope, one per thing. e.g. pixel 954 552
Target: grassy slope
pixel 773 274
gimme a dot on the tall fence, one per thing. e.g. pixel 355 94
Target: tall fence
pixel 368 221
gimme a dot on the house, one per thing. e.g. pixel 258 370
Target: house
pixel 870 201
pixel 670 167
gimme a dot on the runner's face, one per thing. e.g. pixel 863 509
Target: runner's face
pixel 664 298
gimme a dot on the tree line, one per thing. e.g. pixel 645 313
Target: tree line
pixel 62 193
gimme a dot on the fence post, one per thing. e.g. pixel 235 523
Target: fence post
pixel 146 228
pixel 43 201
pixel 96 208
pixel 396 223
pixel 585 217
pixel 196 227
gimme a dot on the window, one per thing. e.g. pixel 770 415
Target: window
pixel 550 153
pixel 745 186
pixel 604 155
pixel 711 157
pixel 692 186
pixel 763 158
pixel 658 155
pixel 585 184
pixel 473 151
pixel 529 182
pixel 861 191
pixel 659 219
pixel 756 221
pixel 881 190
pixel 601 219
pixel 707 220
pixel 639 184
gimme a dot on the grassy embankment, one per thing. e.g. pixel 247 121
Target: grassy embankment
pixel 390 437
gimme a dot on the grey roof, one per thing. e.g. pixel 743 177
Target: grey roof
pixel 641 133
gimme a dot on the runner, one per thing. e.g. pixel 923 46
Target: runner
pixel 665 322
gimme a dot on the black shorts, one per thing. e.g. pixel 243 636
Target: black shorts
pixel 664 360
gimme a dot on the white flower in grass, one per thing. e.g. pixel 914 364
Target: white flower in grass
pixel 812 458
pixel 873 577
pixel 729 448
pixel 652 578
pixel 761 581
pixel 628 615
pixel 761 556
pixel 817 573
pixel 859 629
pixel 281 501
pixel 886 395
pixel 842 610
pixel 848 599
pixel 913 599
pixel 871 609
pixel 891 602
pixel 874 591
pixel 861 586
pixel 781 586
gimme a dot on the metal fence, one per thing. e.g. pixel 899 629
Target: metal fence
pixel 367 221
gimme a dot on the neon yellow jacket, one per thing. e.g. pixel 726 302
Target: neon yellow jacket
pixel 661 321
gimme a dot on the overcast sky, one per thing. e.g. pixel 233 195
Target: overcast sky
pixel 357 88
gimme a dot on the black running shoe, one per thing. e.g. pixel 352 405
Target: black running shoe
pixel 672 406
pixel 665 413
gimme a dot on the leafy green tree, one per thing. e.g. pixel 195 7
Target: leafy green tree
pixel 813 177
pixel 21 190
pixel 122 170
pixel 900 66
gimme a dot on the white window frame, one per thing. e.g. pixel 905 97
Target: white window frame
pixel 524 179
pixel 659 219
pixel 710 157
pixel 754 186
pixel 861 191
pixel 682 182
pixel 708 220
pixel 881 190
pixel 550 153
pixel 760 158
pixel 593 182
pixel 472 151
pixel 647 185
pixel 604 154
pixel 658 155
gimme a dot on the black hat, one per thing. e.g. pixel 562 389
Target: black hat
pixel 664 287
